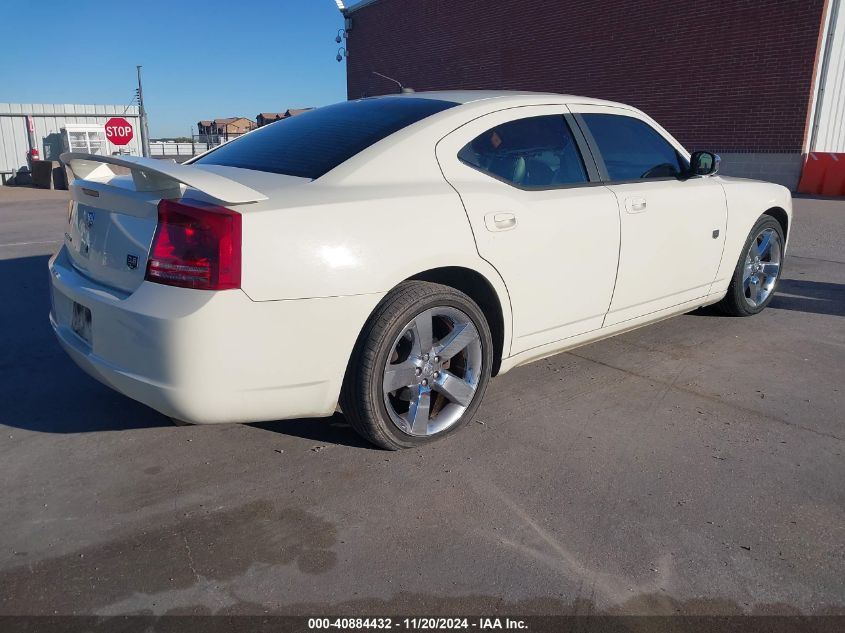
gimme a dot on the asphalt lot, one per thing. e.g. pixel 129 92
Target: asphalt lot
pixel 695 466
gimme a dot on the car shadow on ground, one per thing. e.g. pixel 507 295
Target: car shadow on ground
pixel 812 297
pixel 333 430
pixel 42 390
pixel 816 297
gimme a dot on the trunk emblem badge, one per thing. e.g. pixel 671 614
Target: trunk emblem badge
pixel 132 261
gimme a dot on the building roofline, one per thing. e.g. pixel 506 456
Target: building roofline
pixel 67 109
pixel 361 5
pixel 526 97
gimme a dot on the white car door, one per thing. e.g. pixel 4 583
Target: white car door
pixel 673 228
pixel 539 216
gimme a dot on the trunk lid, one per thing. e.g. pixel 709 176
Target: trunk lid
pixel 110 232
pixel 113 218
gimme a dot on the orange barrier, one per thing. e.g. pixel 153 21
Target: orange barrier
pixel 834 178
pixel 823 174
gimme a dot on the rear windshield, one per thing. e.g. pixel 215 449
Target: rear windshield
pixel 317 141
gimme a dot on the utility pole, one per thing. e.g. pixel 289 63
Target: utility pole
pixel 145 130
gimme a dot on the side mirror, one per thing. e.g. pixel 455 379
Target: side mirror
pixel 703 164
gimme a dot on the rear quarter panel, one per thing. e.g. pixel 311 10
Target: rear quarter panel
pixel 353 240
pixel 342 240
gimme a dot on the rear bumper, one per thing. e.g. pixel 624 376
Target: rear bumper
pixel 210 357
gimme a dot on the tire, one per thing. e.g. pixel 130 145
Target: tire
pixel 745 297
pixel 446 368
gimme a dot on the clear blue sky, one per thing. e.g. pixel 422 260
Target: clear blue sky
pixel 201 58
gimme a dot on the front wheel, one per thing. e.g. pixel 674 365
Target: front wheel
pixel 758 270
pixel 420 367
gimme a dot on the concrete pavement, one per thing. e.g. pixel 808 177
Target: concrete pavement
pixel 694 466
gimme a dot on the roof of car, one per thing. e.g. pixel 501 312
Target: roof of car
pixel 467 96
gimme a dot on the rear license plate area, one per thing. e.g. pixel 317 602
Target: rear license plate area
pixel 81 322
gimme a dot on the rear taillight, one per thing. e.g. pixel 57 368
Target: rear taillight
pixel 196 245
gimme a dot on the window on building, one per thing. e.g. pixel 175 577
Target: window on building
pixel 536 151
pixel 89 141
pixel 317 141
pixel 632 149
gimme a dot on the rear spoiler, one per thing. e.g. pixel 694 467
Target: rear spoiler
pixel 151 174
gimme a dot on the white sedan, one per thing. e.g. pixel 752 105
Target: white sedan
pixel 387 256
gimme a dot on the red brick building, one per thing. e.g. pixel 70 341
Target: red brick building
pixel 739 77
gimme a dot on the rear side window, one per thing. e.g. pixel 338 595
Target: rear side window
pixel 317 141
pixel 632 149
pixel 536 151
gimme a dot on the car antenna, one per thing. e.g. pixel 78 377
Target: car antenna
pixel 402 89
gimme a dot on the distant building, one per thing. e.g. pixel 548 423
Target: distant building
pixel 51 129
pixel 265 118
pixel 225 127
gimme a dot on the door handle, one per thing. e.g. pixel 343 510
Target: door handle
pixel 500 221
pixel 635 205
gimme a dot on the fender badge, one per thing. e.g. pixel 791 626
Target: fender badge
pixel 132 261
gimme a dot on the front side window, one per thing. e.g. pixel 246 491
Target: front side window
pixel 537 151
pixel 632 149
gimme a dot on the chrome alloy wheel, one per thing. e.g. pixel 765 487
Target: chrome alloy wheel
pixel 432 371
pixel 762 267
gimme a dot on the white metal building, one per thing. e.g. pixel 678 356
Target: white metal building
pixel 58 128
pixel 827 129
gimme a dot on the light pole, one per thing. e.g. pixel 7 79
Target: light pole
pixel 145 131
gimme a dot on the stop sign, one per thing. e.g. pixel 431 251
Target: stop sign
pixel 118 130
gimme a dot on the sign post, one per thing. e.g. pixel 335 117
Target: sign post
pixel 145 130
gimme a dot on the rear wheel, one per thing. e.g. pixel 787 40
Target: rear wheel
pixel 758 270
pixel 420 368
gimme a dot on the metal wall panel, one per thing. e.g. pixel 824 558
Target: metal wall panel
pixel 830 132
pixel 49 119
pixel 13 142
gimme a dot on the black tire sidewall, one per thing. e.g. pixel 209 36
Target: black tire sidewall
pixel 737 289
pixel 452 299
